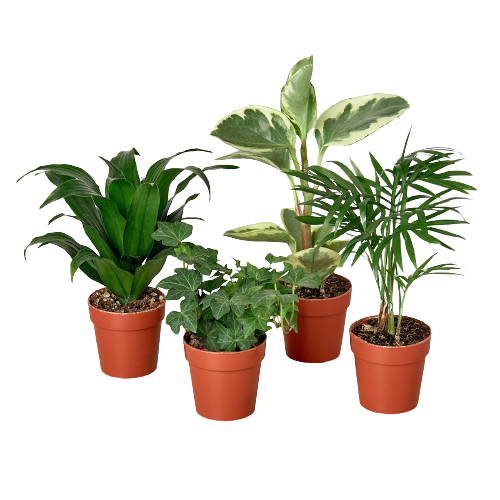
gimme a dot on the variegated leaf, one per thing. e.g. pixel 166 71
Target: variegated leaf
pixel 256 129
pixel 298 98
pixel 293 227
pixel 279 158
pixel 324 262
pixel 353 119
pixel 262 231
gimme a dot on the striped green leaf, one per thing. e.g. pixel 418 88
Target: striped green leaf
pixel 85 254
pixel 353 119
pixel 256 129
pixel 71 187
pixel 145 274
pixel 298 99
pixel 141 221
pixel 262 231
pixel 122 193
pixel 125 162
pixel 112 220
pixel 117 280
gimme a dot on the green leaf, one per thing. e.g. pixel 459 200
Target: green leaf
pixel 256 129
pixel 172 233
pixel 316 260
pixel 353 119
pixel 212 342
pixel 219 302
pixel 186 317
pixel 251 322
pixel 122 193
pixel 262 231
pixel 292 226
pixel 117 280
pixel 144 274
pixel 125 162
pixel 84 255
pixel 141 221
pixel 278 158
pixel 273 260
pixel 297 277
pixel 164 181
pixel 264 297
pixel 101 246
pixel 184 283
pixel 298 99
pixel 58 216
pixel 113 221
pixel 72 187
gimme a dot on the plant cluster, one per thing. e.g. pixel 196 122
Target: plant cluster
pixel 270 136
pixel 414 198
pixel 119 223
pixel 230 309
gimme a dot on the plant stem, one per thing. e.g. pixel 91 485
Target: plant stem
pixel 305 228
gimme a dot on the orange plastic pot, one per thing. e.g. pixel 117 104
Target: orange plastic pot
pixel 224 383
pixel 128 343
pixel 389 378
pixel 320 325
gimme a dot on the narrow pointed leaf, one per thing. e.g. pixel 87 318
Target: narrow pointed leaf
pixel 122 193
pixel 125 161
pixel 112 220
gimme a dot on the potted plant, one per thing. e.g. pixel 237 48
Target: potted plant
pixel 414 198
pixel 127 313
pixel 226 316
pixel 270 136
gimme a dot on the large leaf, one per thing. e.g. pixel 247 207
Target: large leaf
pixel 163 182
pixel 101 246
pixel 234 335
pixel 298 277
pixel 85 254
pixel 262 231
pixel 298 99
pixel 353 119
pixel 145 274
pixel 184 283
pixel 322 260
pixel 186 317
pixel 172 233
pixel 256 129
pixel 71 187
pixel 279 158
pixel 125 161
pixel 117 280
pixel 141 221
pixel 113 221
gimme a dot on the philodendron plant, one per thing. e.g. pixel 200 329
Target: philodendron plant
pixel 229 309
pixel 416 197
pixel 270 136
pixel 119 223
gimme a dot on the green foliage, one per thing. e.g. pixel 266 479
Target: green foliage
pixel 229 308
pixel 269 136
pixel 414 199
pixel 120 223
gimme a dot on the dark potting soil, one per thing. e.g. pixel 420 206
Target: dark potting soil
pixel 333 286
pixel 199 342
pixel 413 331
pixel 104 300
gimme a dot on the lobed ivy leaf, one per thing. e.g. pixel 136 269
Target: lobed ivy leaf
pixel 298 277
pixel 172 233
pixel 273 260
pixel 186 317
pixel 252 322
pixel 234 335
pixel 183 283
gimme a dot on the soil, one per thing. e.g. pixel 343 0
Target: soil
pixel 199 342
pixel 333 286
pixel 413 331
pixel 104 300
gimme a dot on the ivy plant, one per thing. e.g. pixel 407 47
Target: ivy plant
pixel 229 308
pixel 270 136
pixel 119 222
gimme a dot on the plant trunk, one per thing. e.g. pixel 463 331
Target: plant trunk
pixel 382 318
pixel 306 236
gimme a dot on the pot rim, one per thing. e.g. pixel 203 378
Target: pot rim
pixel 353 336
pixel 329 298
pixel 221 352
pixel 162 304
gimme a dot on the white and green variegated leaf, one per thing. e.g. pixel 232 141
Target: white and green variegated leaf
pixel 298 98
pixel 262 231
pixel 279 158
pixel 324 262
pixel 256 129
pixel 353 119
pixel 293 227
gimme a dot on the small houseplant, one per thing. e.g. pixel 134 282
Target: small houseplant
pixel 126 314
pixel 417 197
pixel 226 315
pixel 270 136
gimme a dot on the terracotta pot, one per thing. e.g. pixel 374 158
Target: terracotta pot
pixel 128 343
pixel 224 383
pixel 389 378
pixel 321 326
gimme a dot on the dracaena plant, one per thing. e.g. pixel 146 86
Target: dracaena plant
pixel 119 223
pixel 416 198
pixel 229 308
pixel 271 136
